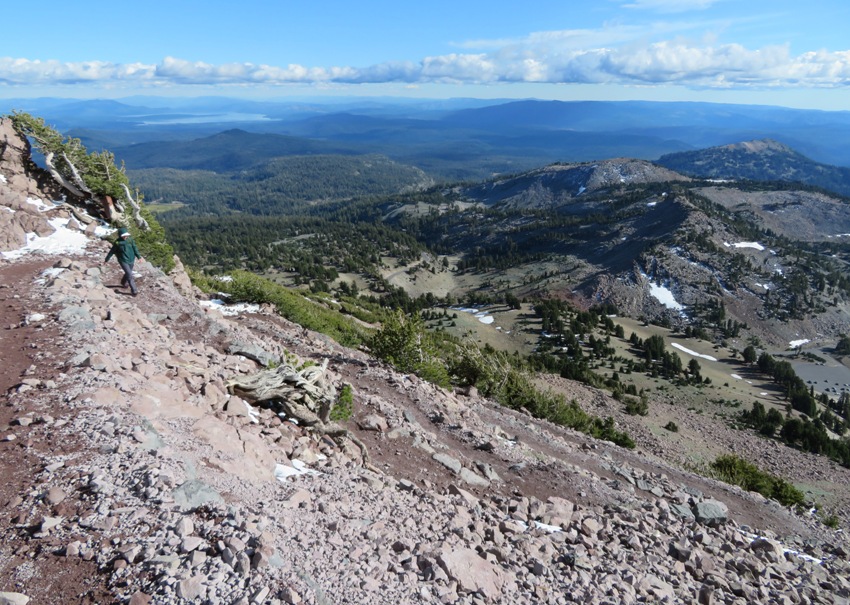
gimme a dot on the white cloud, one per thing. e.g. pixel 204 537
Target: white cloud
pixel 612 55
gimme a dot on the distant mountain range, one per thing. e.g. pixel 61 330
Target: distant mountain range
pixel 450 140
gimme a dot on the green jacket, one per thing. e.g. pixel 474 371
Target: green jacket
pixel 125 251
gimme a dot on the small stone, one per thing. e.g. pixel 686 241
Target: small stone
pixel 190 543
pixel 197 557
pixel 191 588
pixel 13 598
pixel 290 596
pixel 73 549
pixel 55 495
pixel 49 523
pixel 260 596
pixel 140 598
pixel 185 527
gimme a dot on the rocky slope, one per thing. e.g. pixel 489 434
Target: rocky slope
pixel 131 475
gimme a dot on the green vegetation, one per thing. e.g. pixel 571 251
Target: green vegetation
pixel 843 346
pixel 672 427
pixel 403 342
pixel 831 521
pixel 804 433
pixel 278 186
pixel 344 406
pixel 291 304
pixel 638 407
pixel 95 175
pixel 737 471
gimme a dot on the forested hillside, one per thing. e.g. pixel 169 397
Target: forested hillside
pixel 278 186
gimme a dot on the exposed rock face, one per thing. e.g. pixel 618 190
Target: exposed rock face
pixel 17 216
pixel 138 462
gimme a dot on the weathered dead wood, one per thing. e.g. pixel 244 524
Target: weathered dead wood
pixel 307 395
pixel 60 178
pixel 141 223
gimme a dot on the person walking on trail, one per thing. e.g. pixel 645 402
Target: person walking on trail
pixel 126 252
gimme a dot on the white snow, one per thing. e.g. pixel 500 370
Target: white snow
pixel 482 316
pixel 61 241
pixel 754 245
pixel 230 310
pixel 665 297
pixel 3 179
pixel 765 286
pixel 651 204
pixel 735 376
pixel 581 190
pixel 753 537
pixel 676 345
pixel 39 203
pixel 797 343
pixel 550 529
pixel 283 471
pixel 48 273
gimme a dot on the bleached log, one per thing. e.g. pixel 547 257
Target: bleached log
pixel 141 223
pixel 81 184
pixel 59 177
pixel 80 216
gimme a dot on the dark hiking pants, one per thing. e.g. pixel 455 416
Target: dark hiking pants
pixel 128 276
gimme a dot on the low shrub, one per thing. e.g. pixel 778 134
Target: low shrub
pixel 738 471
pixel 344 407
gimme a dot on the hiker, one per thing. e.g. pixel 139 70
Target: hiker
pixel 126 252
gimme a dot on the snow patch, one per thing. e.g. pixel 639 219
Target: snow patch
pixel 47 274
pixel 651 204
pixel 665 297
pixel 3 179
pixel 676 345
pixel 62 241
pixel 797 343
pixel 230 310
pixel 39 203
pixel 299 467
pixel 755 245
pixel 735 376
pixel 482 316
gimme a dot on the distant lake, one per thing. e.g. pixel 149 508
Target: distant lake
pixel 211 118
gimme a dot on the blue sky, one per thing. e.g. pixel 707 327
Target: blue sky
pixel 776 52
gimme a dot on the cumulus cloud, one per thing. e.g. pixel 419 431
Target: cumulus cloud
pixel 612 56
pixel 25 71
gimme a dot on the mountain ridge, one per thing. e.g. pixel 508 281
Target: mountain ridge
pixel 762 160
